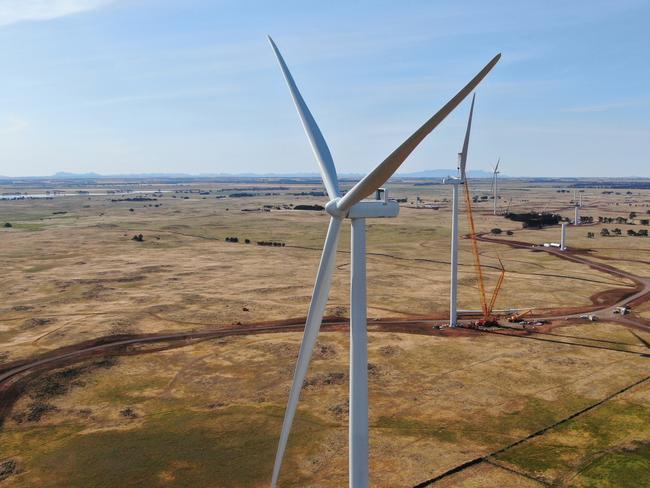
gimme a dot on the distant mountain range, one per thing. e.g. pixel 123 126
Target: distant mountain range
pixel 434 173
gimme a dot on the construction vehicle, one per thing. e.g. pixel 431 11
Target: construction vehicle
pixel 520 315
pixel 589 316
pixel 624 310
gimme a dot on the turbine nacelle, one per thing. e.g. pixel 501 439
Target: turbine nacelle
pixel 379 207
pixel 452 180
pixel 374 209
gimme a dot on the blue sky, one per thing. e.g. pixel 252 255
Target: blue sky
pixel 125 86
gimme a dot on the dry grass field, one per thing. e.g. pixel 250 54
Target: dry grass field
pixel 209 413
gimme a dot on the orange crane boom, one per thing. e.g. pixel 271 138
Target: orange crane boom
pixel 497 288
pixel 462 163
pixel 477 258
pixel 486 307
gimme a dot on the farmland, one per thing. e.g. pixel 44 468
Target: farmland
pixel 206 410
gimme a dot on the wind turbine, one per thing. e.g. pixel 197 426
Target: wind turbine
pixel 576 210
pixel 495 192
pixel 454 182
pixel 350 205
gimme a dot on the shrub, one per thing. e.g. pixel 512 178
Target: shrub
pixel 270 243
pixel 496 231
pixel 309 207
pixel 138 237
pixel 7 225
pixel 533 219
pixel 510 233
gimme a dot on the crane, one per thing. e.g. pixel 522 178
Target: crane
pixel 486 307
pixel 497 287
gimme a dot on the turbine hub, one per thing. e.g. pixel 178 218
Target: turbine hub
pixel 332 209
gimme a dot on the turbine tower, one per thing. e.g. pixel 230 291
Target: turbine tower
pixel 495 192
pixel 350 205
pixel 455 182
pixel 576 210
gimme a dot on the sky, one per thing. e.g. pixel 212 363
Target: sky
pixel 192 86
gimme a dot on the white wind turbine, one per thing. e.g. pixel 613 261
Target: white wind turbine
pixel 495 190
pixel 576 210
pixel 455 182
pixel 350 205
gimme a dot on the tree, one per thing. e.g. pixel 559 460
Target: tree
pixel 631 232
pixel 642 233
pixel 617 231
pixel 632 215
pixel 605 233
pixel 510 233
pixel 645 221
pixel 496 231
pixel 590 235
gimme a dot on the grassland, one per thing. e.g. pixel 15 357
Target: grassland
pixel 209 414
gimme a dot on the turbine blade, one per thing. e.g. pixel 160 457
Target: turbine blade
pixel 312 326
pixel 385 170
pixel 463 154
pixel 316 139
pixel 496 168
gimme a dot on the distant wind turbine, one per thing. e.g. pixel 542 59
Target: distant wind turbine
pixel 495 192
pixel 576 210
pixel 350 205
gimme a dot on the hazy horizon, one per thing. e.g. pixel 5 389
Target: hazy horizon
pixel 116 87
pixel 436 173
